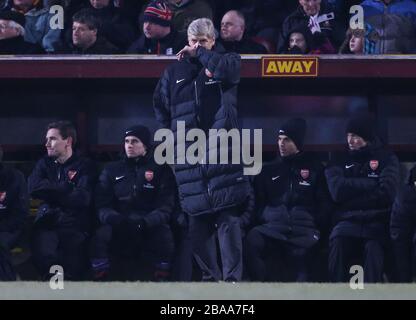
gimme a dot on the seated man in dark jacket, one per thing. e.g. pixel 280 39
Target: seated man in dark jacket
pixel 114 26
pixel 14 207
pixel 135 199
pixel 233 36
pixel 63 181
pixel 85 36
pixel 363 185
pixel 158 36
pixel 291 203
pixel 403 231
pixel 12 33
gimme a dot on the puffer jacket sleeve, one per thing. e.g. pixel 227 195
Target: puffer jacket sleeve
pixel 224 67
pixel 161 101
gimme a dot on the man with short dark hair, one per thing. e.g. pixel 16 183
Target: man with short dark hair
pixel 363 184
pixel 85 36
pixel 158 36
pixel 292 204
pixel 135 199
pixel 63 181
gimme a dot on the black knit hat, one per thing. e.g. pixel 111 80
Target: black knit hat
pixel 159 13
pixel 295 129
pixel 363 126
pixel 141 132
pixel 15 16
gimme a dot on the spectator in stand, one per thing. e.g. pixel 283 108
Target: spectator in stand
pixel 85 36
pixel 301 41
pixel 354 42
pixel 233 36
pixel 263 17
pixel 12 33
pixel 38 23
pixel 395 23
pixel 113 25
pixel 318 17
pixel 158 36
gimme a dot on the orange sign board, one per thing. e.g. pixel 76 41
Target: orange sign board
pixel 277 66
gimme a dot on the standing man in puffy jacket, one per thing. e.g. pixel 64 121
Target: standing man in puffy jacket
pixel 403 230
pixel 63 181
pixel 135 199
pixel 201 91
pixel 292 201
pixel 363 185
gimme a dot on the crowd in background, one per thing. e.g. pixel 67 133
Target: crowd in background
pixel 245 27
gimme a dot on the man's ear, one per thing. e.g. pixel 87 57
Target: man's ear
pixel 70 142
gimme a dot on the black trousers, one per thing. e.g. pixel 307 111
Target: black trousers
pixel 61 246
pixel 121 240
pixel 204 232
pixel 369 253
pixel 258 247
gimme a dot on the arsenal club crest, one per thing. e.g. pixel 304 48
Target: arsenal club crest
pixel 2 196
pixel 148 175
pixel 304 174
pixel 374 165
pixel 71 174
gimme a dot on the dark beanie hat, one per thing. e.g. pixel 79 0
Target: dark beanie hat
pixel 141 132
pixel 295 129
pixel 15 16
pixel 363 126
pixel 159 13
